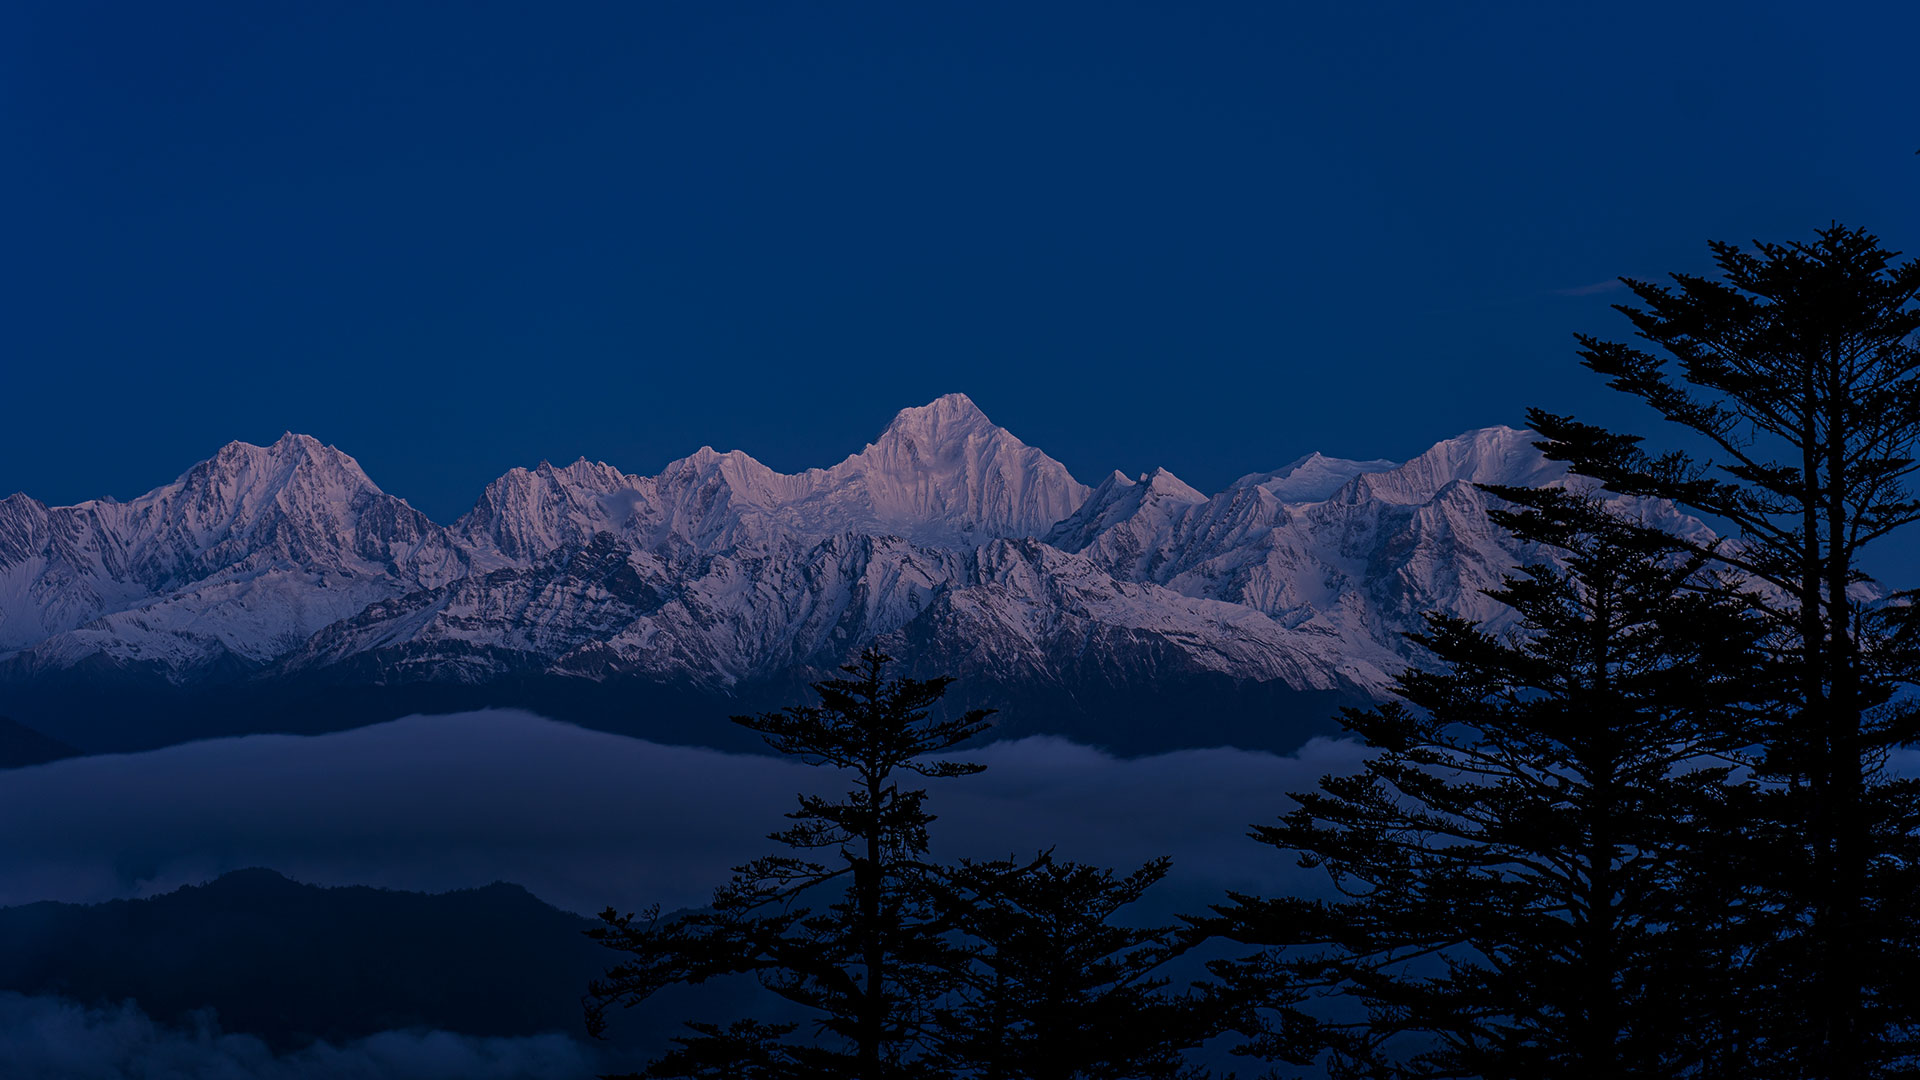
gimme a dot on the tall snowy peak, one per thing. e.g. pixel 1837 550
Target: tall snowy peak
pixel 248 508
pixel 236 555
pixel 51 574
pixel 1123 523
pixel 528 513
pixel 1352 570
pixel 943 472
pixel 711 501
pixel 1493 455
pixel 940 474
pixel 705 502
pixel 292 499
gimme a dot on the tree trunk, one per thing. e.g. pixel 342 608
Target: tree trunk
pixel 1848 877
pixel 873 1008
pixel 1601 1025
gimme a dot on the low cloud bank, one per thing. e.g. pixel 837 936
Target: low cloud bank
pixel 585 819
pixel 54 1039
pixel 1195 805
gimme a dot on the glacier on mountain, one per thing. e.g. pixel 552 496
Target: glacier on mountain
pixel 946 539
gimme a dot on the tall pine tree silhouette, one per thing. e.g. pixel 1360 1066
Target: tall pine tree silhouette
pixel 1520 867
pixel 1798 369
pixel 843 925
pixel 1057 987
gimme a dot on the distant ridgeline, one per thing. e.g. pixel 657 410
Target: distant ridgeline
pixel 278 588
pixel 21 745
pixel 293 963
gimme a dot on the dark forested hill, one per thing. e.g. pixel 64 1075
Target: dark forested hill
pixel 292 963
pixel 21 745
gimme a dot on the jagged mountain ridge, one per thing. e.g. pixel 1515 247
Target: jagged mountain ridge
pixel 244 556
pixel 947 539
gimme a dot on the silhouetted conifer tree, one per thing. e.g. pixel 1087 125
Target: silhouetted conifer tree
pixel 743 1050
pixel 1521 866
pixel 844 925
pixel 1798 367
pixel 1056 990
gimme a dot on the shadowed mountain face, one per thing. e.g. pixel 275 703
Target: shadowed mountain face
pixel 292 963
pixel 271 587
pixel 21 745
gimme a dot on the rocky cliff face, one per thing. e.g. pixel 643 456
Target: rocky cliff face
pixel 947 539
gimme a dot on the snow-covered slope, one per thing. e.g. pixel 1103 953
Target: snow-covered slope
pixel 947 537
pixel 1311 478
pixel 242 558
pixel 942 475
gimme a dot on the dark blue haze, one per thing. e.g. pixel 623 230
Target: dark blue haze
pixel 453 238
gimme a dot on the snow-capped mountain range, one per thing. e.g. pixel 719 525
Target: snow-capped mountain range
pixel 947 539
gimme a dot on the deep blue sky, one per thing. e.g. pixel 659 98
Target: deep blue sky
pixel 454 238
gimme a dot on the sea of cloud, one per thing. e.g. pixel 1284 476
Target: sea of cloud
pixel 586 819
pixel 583 819
pixel 49 1038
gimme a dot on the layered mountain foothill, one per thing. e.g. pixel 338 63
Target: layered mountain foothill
pixel 255 954
pixel 292 962
pixel 278 588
